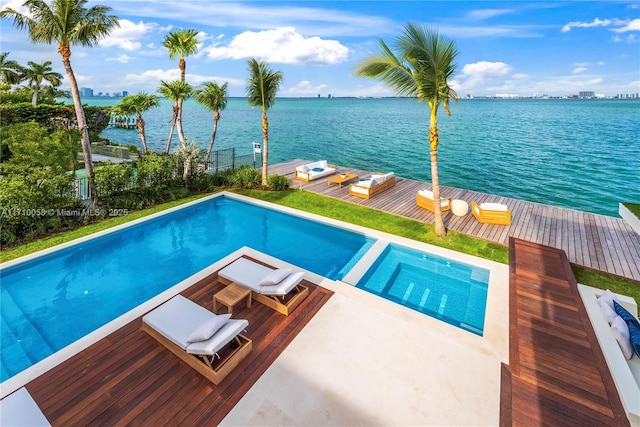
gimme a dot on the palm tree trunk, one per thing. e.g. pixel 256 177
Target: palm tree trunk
pixel 265 147
pixel 143 137
pixel 182 64
pixel 216 117
pixel 440 230
pixel 173 125
pixel 34 98
pixel 65 52
pixel 183 140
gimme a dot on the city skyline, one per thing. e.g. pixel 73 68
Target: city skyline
pixel 516 48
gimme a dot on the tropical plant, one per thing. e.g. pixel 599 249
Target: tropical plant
pixel 10 71
pixel 181 43
pixel 135 105
pixel 421 69
pixel 262 85
pixel 36 73
pixel 68 23
pixel 214 98
pixel 176 91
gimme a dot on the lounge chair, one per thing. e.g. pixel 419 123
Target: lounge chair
pixel 189 331
pixel 369 187
pixel 424 199
pixel 491 213
pixel 279 289
pixel 314 170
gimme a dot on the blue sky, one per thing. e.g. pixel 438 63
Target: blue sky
pixel 517 47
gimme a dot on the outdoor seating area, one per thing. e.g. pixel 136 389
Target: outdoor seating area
pixel 491 213
pixel 199 337
pixel 315 170
pixel 279 289
pixel 369 187
pixel 424 199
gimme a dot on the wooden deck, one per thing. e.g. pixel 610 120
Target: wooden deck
pixel 557 374
pixel 128 378
pixel 594 241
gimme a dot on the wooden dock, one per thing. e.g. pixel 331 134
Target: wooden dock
pixel 557 373
pixel 594 241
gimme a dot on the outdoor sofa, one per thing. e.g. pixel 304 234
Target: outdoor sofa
pixel 279 289
pixel 198 336
pixel 491 213
pixel 424 199
pixel 369 187
pixel 315 170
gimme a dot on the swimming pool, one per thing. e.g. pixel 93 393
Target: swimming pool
pixel 51 301
pixel 449 290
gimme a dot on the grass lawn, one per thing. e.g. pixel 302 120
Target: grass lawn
pixel 353 214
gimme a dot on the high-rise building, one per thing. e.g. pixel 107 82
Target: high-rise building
pixel 125 92
pixel 586 94
pixel 86 91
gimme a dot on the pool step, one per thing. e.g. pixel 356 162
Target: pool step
pixel 361 268
pixel 13 358
pixel 24 337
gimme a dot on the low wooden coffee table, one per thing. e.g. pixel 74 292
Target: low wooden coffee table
pixel 341 179
pixel 230 296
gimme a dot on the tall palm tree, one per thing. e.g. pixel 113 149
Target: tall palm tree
pixel 262 85
pixel 135 105
pixel 181 43
pixel 420 69
pixel 176 91
pixel 10 71
pixel 214 98
pixel 68 23
pixel 36 73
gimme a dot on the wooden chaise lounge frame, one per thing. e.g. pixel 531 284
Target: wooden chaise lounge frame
pixel 374 189
pixel 282 304
pixel 489 216
pixel 429 204
pixel 214 371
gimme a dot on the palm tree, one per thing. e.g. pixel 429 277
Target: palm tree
pixel 10 71
pixel 36 73
pixel 181 43
pixel 176 91
pixel 213 97
pixel 421 70
pixel 68 23
pixel 262 85
pixel 135 105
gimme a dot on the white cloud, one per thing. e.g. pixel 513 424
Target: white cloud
pixel 596 23
pixel 629 26
pixel 150 80
pixel 482 76
pixel 282 45
pixel 489 13
pixel 305 88
pixel 579 70
pixel 123 58
pixel 127 35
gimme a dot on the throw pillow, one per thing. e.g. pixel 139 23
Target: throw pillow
pixel 634 334
pixel 628 317
pixel 607 297
pixel 608 310
pixel 208 328
pixel 275 277
pixel 317 169
pixel 620 331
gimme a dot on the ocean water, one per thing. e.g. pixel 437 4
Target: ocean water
pixel 573 153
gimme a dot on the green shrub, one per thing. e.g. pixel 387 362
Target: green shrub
pixel 111 181
pixel 278 182
pixel 246 177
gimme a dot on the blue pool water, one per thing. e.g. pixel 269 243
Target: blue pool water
pixel 49 302
pixel 448 290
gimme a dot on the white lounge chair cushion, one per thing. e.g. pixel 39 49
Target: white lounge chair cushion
pixel 208 328
pixel 493 206
pixel 275 277
pixel 620 331
pixel 250 274
pixel 426 193
pixel 177 318
pixel 606 303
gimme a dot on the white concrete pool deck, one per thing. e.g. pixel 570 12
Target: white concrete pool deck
pixel 363 360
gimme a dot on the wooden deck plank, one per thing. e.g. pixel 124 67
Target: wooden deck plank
pixel 557 373
pixel 594 241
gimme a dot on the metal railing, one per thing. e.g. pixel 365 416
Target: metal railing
pixel 219 161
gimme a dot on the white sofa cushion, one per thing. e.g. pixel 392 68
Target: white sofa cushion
pixel 620 331
pixel 360 188
pixel 493 206
pixel 426 193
